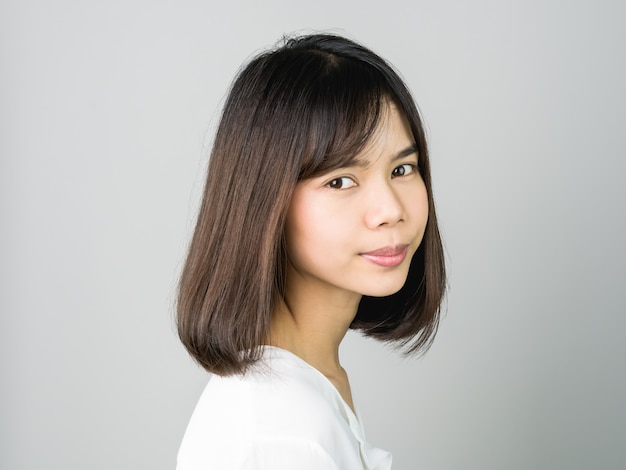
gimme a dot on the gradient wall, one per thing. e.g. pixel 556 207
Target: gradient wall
pixel 107 110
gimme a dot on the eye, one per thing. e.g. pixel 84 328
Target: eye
pixel 403 170
pixel 341 183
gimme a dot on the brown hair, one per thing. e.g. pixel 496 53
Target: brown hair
pixel 299 111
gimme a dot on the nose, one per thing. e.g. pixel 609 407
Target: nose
pixel 384 207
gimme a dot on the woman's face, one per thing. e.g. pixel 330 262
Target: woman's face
pixel 355 230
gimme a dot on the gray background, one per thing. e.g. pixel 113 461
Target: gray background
pixel 106 114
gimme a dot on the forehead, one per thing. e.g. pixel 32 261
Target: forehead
pixel 392 138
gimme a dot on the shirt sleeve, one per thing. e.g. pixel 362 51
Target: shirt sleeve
pixel 287 453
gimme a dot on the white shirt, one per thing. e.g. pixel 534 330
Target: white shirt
pixel 283 415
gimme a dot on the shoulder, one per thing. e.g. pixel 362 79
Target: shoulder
pixel 280 394
pixel 282 404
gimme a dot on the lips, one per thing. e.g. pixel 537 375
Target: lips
pixel 388 256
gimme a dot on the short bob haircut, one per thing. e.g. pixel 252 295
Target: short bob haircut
pixel 296 112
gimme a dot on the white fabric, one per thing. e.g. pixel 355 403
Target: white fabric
pixel 284 415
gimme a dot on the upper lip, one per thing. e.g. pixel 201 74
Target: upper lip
pixel 391 250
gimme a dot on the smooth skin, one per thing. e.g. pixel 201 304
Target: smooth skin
pixel 349 233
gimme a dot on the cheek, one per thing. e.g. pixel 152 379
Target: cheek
pixel 417 205
pixel 301 227
pixel 423 206
pixel 314 229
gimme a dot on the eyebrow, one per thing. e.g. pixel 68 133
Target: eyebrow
pixel 410 150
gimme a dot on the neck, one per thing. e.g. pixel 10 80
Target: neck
pixel 312 323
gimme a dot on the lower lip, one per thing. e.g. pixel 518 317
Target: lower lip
pixel 388 261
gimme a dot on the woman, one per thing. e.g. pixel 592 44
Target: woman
pixel 317 217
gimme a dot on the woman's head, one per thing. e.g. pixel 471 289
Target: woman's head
pixel 294 113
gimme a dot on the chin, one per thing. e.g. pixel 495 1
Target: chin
pixel 383 290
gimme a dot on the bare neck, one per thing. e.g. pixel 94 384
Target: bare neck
pixel 312 323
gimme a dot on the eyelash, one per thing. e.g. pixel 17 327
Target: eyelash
pixel 412 169
pixel 341 178
pixel 408 168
